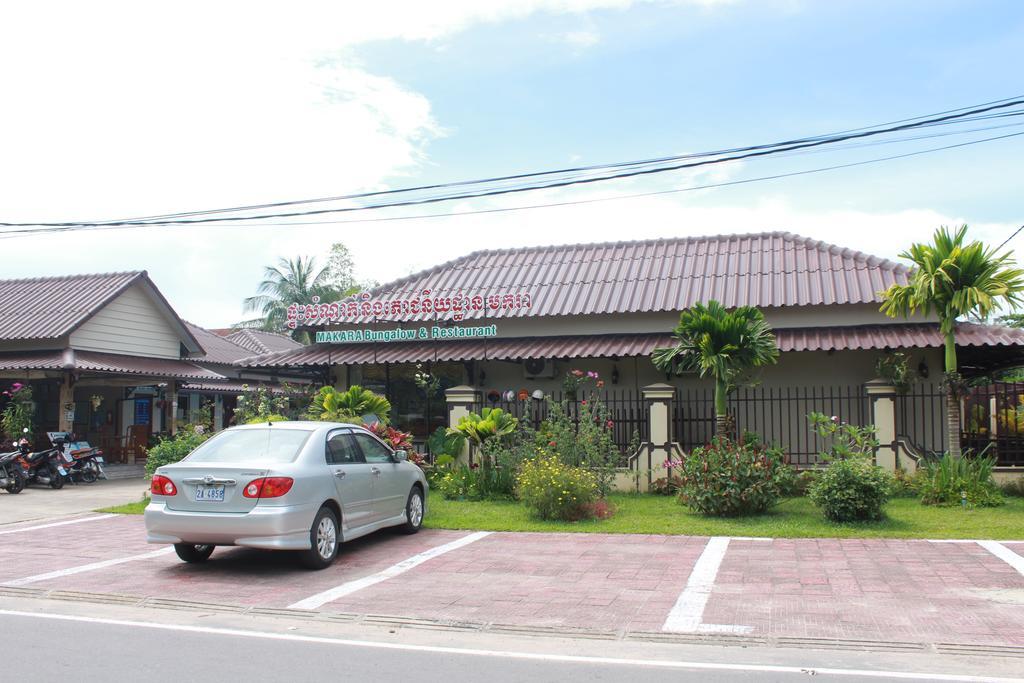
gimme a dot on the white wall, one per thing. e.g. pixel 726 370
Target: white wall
pixel 130 324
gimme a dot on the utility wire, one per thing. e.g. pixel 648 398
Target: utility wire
pixel 756 151
pixel 1006 241
pixel 8 234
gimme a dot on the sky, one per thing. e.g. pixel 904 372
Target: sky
pixel 113 110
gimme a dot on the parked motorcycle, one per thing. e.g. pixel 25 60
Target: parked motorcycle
pixel 11 476
pixel 82 462
pixel 41 467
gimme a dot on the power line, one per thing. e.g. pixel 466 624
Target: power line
pixel 1006 241
pixel 8 234
pixel 756 151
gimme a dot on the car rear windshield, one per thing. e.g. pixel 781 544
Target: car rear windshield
pixel 248 445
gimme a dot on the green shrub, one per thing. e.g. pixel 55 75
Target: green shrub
pixel 273 417
pixel 454 483
pixel 904 485
pixel 351 405
pixel 554 490
pixel 727 479
pixel 172 449
pixel 851 490
pixel 950 480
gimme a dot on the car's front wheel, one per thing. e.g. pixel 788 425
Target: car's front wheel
pixel 190 552
pixel 413 512
pixel 323 540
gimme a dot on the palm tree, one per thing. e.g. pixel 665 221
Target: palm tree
pixel 725 345
pixel 295 280
pixel 954 280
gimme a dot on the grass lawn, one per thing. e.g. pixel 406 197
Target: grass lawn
pixel 128 508
pixel 793 518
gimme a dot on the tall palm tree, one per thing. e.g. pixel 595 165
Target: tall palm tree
pixel 954 280
pixel 295 280
pixel 723 344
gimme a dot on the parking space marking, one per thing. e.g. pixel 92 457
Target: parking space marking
pixel 53 524
pixel 349 587
pixel 87 567
pixel 687 614
pixel 1005 554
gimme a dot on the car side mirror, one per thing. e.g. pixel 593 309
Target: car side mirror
pixel 401 455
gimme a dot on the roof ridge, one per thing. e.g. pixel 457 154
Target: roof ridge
pixel 54 278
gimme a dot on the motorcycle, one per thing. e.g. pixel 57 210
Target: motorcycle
pixel 82 462
pixel 41 467
pixel 11 476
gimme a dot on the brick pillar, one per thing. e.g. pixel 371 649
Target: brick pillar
pixel 882 398
pixel 658 398
pixel 460 401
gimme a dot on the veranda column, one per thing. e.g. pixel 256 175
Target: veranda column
pixel 172 401
pixel 67 404
pixel 882 397
pixel 658 398
pixel 460 401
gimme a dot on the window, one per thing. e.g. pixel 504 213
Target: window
pixel 373 450
pixel 252 445
pixel 341 449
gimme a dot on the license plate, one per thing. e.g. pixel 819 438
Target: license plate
pixel 210 493
pixel 100 460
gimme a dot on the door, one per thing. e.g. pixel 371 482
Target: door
pixel 390 485
pixel 352 479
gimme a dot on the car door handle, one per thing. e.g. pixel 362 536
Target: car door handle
pixel 375 471
pixel 340 474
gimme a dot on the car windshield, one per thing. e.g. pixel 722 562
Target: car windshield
pixel 252 445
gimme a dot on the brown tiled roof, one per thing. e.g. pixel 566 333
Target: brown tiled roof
pixel 762 269
pixel 218 349
pixel 261 341
pixel 898 335
pixel 51 307
pixel 92 361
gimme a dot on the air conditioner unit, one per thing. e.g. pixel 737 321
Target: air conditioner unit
pixel 537 368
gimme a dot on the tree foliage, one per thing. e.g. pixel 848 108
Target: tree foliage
pixel 722 344
pixel 331 405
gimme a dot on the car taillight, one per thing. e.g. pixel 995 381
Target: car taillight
pixel 162 486
pixel 268 487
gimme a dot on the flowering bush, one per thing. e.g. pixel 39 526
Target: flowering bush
pixel 727 478
pixel 846 440
pixel 18 413
pixel 574 379
pixel 553 490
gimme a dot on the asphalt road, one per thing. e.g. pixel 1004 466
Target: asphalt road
pixel 88 649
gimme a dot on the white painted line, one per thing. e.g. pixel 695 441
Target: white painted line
pixel 331 594
pixel 53 524
pixel 87 567
pixel 1005 554
pixel 687 614
pixel 512 654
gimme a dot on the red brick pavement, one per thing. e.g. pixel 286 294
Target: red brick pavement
pixel 858 589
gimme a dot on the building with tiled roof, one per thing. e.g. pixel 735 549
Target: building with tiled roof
pixel 106 356
pixel 511 322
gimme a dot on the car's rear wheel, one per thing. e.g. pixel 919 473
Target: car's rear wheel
pixel 190 552
pixel 413 512
pixel 323 540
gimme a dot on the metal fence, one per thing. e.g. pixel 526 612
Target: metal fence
pixel 777 414
pixel 626 410
pixel 993 422
pixel 921 418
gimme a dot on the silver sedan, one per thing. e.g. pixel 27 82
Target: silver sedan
pixel 304 486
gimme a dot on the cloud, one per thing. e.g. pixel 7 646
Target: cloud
pixel 582 39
